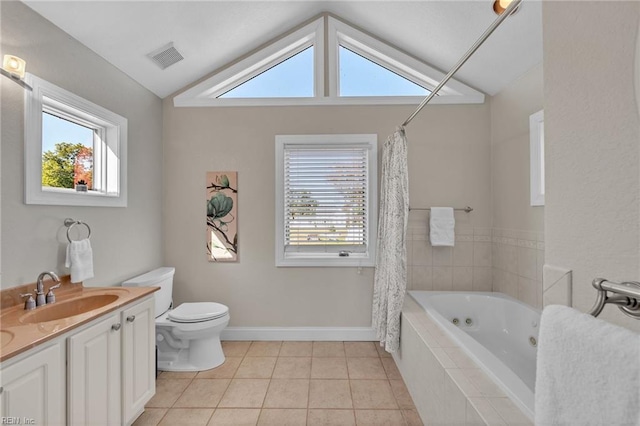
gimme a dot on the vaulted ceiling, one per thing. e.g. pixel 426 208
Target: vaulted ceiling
pixel 211 34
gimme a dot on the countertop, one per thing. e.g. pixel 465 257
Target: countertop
pixel 20 332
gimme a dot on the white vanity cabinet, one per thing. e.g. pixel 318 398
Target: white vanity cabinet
pixel 94 373
pixel 102 373
pixel 33 387
pixel 111 369
pixel 138 358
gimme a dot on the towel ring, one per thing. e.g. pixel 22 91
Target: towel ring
pixel 70 223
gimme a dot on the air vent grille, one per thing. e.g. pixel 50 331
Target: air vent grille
pixel 165 56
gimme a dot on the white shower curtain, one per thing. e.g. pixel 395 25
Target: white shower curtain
pixel 390 280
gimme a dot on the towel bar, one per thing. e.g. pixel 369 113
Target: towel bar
pixel 625 294
pixel 466 209
pixel 70 223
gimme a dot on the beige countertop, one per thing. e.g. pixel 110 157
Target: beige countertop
pixel 21 329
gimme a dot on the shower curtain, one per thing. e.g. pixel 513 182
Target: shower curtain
pixel 390 279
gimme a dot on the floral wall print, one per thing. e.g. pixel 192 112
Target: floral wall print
pixel 222 216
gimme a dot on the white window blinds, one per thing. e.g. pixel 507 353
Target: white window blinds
pixel 326 197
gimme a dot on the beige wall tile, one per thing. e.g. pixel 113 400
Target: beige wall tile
pixel 421 278
pixel 463 253
pixel 235 417
pixel 442 256
pixel 462 278
pixel 482 279
pixel 481 253
pixel 422 254
pixel 527 262
pixel 330 394
pixel 245 393
pixel 287 393
pixel 443 278
pixel 528 291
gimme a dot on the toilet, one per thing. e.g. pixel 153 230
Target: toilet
pixel 187 337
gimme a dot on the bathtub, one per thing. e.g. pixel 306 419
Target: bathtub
pixel 498 332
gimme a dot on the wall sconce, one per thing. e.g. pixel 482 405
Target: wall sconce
pixel 14 68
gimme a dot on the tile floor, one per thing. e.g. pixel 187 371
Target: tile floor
pixel 287 383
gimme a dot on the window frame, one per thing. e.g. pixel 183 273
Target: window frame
pixel 536 158
pixel 111 163
pixel 321 257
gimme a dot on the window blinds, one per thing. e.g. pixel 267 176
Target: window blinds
pixel 325 196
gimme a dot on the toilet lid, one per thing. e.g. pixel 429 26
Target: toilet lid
pixel 197 312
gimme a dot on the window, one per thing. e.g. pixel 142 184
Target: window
pixel 326 200
pixel 350 68
pixel 75 150
pixel 536 148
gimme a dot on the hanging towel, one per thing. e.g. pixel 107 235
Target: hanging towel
pixel 390 278
pixel 80 260
pixel 588 371
pixel 442 224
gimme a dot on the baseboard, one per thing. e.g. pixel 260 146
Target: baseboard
pixel 348 334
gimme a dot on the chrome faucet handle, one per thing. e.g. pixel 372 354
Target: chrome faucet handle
pixel 29 304
pixel 51 298
pixel 40 300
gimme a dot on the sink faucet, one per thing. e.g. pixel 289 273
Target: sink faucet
pixel 40 299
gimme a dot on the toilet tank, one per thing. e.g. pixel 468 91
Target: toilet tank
pixel 161 277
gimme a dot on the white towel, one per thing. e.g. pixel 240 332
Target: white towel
pixel 442 224
pixel 80 260
pixel 588 371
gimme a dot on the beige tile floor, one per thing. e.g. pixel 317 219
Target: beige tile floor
pixel 287 383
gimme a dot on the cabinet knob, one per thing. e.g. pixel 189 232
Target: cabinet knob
pixel 131 318
pixel 116 327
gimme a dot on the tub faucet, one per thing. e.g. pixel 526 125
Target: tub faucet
pixel 40 299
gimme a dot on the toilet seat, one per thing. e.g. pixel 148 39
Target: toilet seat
pixel 197 312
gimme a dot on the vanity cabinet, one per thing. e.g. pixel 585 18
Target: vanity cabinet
pixel 138 358
pixel 33 388
pixel 102 373
pixel 94 373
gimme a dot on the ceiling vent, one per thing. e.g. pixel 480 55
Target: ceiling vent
pixel 165 56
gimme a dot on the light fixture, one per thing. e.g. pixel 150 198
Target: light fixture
pixel 499 6
pixel 14 68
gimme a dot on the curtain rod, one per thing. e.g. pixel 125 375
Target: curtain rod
pixel 464 58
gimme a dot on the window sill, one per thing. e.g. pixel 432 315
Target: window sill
pixel 334 261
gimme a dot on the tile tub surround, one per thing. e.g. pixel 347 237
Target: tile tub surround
pixel 464 267
pixel 517 261
pixel 446 385
pixel 292 383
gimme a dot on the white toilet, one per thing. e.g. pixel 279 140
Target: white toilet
pixel 188 337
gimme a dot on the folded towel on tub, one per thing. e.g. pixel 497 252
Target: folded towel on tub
pixel 588 371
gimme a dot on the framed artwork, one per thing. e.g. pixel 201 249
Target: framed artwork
pixel 222 216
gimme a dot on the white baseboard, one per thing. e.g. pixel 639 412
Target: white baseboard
pixel 341 334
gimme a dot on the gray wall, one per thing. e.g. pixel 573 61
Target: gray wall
pixel 592 135
pixel 449 163
pixel 125 241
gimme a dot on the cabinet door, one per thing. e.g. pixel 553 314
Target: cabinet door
pixel 138 358
pixel 33 389
pixel 94 374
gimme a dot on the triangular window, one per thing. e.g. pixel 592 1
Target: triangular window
pixel 359 70
pixel 292 78
pixel 360 76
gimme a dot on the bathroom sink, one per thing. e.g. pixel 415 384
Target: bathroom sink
pixel 68 309
pixel 5 338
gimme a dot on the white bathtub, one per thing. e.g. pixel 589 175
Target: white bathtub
pixel 499 338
